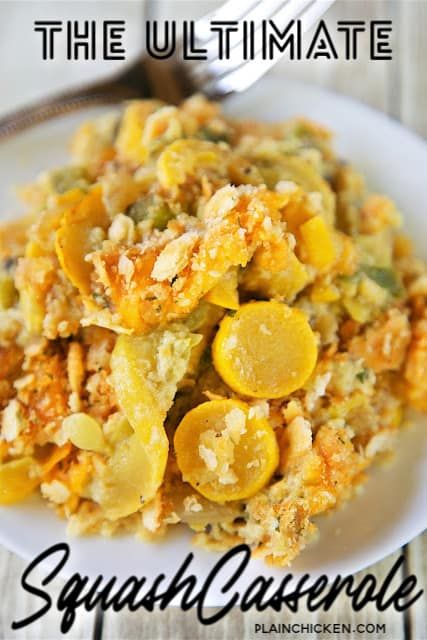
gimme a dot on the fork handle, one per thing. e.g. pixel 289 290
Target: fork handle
pixel 101 93
pixel 144 78
pixel 134 82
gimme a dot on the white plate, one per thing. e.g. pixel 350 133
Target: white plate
pixel 392 509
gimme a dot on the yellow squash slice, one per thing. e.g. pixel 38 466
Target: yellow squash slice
pixel 266 350
pixel 304 174
pixel 224 293
pixel 282 280
pixel 16 480
pixel 317 243
pixel 131 477
pixel 223 453
pixel 129 143
pixel 150 443
pixel 145 371
pixel 189 157
pixel 73 238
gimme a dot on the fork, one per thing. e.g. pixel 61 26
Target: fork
pixel 172 80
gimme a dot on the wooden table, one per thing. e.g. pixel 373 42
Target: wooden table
pixel 399 88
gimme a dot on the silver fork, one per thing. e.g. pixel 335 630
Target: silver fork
pixel 172 80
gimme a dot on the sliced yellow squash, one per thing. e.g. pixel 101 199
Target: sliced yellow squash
pixel 224 293
pixel 223 453
pixel 73 238
pixel 302 172
pixel 16 480
pixel 317 243
pixel 266 350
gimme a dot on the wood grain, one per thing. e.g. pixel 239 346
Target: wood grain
pixel 400 89
pixel 16 604
pixel 173 624
pixel 417 564
pixel 412 56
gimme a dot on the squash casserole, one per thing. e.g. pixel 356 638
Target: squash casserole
pixel 204 321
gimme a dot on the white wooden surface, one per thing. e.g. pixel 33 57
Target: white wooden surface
pixel 399 88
